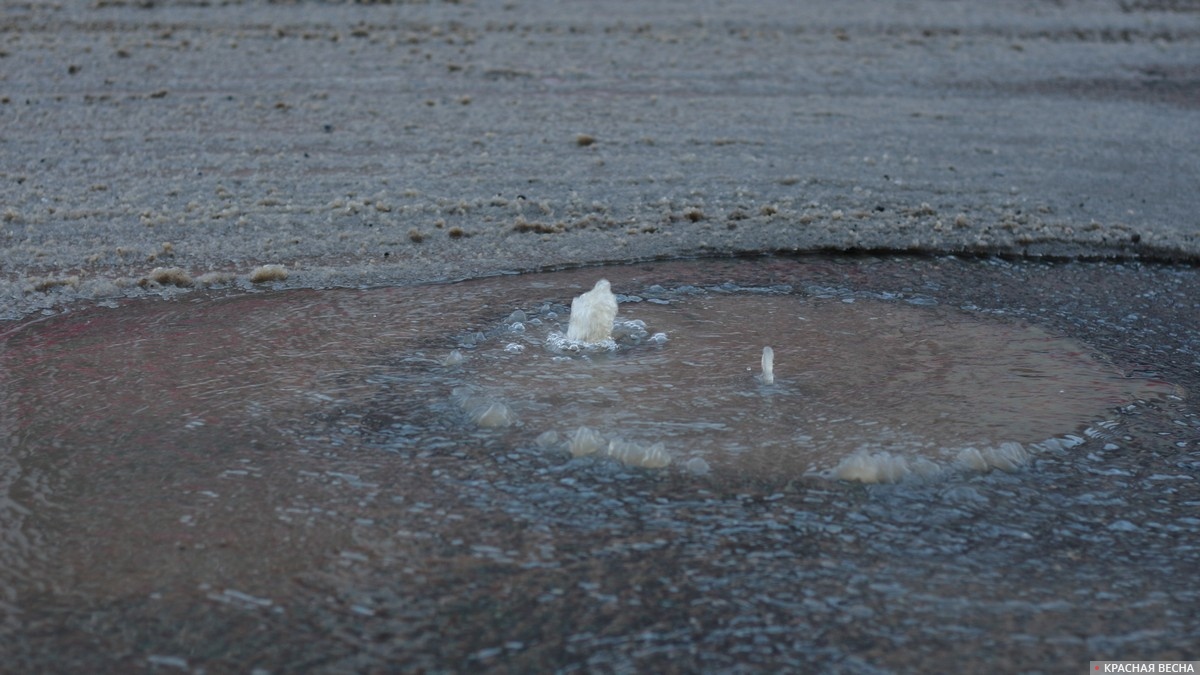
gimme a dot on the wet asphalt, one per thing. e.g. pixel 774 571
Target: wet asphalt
pixel 381 531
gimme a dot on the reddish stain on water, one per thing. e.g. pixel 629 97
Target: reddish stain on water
pixel 168 446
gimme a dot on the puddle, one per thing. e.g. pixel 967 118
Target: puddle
pixel 864 389
pixel 239 438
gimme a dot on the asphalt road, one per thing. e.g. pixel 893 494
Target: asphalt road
pixel 155 147
pixel 384 142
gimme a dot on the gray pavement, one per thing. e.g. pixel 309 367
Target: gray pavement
pixel 377 143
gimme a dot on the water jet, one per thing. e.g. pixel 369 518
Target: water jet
pixel 768 366
pixel 592 315
pixel 880 391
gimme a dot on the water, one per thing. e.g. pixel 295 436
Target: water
pixel 287 461
pixel 860 384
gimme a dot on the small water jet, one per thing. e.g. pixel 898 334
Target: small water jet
pixel 592 315
pixel 768 366
pixel 878 391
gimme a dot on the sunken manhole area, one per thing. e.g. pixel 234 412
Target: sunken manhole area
pixel 694 374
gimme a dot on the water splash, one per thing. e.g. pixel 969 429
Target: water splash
pixel 592 315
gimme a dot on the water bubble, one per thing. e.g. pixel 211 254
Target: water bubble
pixel 492 414
pixel 482 410
pixel 867 467
pixel 462 394
pixel 584 441
pixel 558 343
pixel 628 330
pixel 653 456
pixel 1007 457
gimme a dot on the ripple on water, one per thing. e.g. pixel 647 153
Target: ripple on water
pixel 872 391
pixel 157 420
